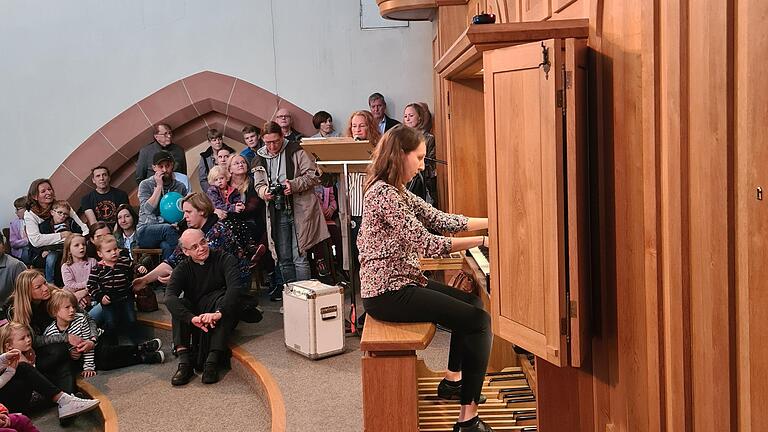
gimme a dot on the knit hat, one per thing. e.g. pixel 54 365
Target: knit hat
pixel 3 409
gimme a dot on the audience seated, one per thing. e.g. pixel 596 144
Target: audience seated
pixel 208 158
pixel 106 355
pixel 152 230
pixel 323 122
pixel 284 119
pixel 10 268
pixel 285 177
pixel 378 107
pixel 29 307
pixel 20 247
pixel 211 287
pixel 19 378
pixel 223 155
pixel 163 141
pixel 40 199
pixel 101 204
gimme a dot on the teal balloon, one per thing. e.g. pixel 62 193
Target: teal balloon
pixel 170 207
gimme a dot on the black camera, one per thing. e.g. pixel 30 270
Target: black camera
pixel 281 201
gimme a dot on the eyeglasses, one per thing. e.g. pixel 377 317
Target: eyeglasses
pixel 195 246
pixel 277 141
pixel 283 116
pixel 169 133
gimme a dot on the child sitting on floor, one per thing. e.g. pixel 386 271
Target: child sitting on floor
pixel 19 337
pixel 110 285
pixel 63 308
pixel 15 422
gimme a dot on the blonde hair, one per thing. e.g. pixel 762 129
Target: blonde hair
pixel 60 297
pixel 243 188
pixel 216 172
pixel 200 202
pixel 373 129
pixel 22 298
pixel 387 160
pixel 7 330
pixel 105 239
pixel 68 258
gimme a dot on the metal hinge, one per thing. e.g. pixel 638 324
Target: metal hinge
pixel 448 103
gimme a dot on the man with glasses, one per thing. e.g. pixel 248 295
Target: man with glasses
pixel 283 118
pixel 163 141
pixel 211 286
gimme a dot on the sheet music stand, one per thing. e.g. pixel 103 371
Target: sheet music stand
pixel 342 156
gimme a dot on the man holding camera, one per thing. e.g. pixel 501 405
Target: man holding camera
pixel 285 177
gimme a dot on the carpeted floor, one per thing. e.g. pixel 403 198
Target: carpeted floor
pixel 319 394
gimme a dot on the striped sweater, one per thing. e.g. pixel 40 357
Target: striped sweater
pixel 114 281
pixel 80 326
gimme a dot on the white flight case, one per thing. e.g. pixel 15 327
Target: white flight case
pixel 313 318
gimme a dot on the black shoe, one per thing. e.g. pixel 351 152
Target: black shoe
pixel 480 426
pixel 277 295
pixel 183 374
pixel 448 391
pixel 149 346
pixel 210 373
pixel 152 357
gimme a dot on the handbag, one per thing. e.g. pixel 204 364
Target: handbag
pixel 146 300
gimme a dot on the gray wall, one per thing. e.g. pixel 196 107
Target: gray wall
pixel 67 68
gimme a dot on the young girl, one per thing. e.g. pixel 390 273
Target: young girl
pixel 19 337
pixel 63 308
pixel 76 268
pixel 220 190
pixel 18 379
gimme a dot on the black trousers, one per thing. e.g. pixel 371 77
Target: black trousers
pixel 217 338
pixel 110 357
pixel 54 362
pixel 17 392
pixel 456 310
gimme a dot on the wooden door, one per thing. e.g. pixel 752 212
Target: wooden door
pixel 524 154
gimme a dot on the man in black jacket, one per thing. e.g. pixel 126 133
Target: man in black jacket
pixel 378 107
pixel 211 284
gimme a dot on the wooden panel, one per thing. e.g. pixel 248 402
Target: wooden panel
pixel 751 96
pixel 708 200
pixel 526 198
pixel 535 10
pixel 451 22
pixel 506 11
pixel 390 393
pixel 466 171
pixel 410 10
pixel 578 198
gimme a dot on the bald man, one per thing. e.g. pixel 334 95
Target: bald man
pixel 211 284
pixel 284 119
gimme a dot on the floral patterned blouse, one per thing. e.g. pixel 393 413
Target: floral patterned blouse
pixel 393 235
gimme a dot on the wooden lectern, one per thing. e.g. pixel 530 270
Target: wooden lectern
pixel 343 156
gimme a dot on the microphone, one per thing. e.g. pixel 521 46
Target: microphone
pixel 435 160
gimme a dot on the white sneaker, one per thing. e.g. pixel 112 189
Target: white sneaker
pixel 70 406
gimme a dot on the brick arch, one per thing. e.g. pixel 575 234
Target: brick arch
pixel 190 106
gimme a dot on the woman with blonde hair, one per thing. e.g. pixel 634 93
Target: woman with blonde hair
pixel 394 234
pixel 30 307
pixel 417 116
